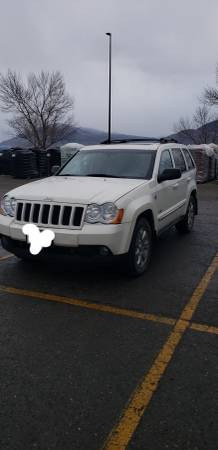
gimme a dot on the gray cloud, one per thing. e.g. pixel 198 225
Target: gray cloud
pixel 164 53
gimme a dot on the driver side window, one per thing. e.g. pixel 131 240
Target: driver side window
pixel 165 162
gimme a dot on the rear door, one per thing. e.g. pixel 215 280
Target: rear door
pixel 180 185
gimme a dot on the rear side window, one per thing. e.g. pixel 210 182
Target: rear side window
pixel 165 161
pixel 188 159
pixel 179 159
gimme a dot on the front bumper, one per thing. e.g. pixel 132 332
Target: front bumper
pixel 21 249
pixel 113 237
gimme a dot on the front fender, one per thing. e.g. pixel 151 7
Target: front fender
pixel 135 208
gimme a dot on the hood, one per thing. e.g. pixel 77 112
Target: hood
pixel 82 190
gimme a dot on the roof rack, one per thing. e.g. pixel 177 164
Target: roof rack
pixel 166 141
pixel 151 140
pixel 117 141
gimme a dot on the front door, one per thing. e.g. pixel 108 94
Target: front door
pixel 166 194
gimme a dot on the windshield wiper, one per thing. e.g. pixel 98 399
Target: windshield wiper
pixel 89 175
pixel 101 175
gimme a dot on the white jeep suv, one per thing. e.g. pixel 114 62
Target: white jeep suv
pixel 108 199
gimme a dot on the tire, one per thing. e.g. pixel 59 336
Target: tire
pixel 138 257
pixel 187 223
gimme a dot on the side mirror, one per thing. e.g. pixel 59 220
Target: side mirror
pixel 54 169
pixel 169 174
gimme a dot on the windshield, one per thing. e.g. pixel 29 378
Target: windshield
pixel 109 163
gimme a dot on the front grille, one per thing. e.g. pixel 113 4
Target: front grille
pixel 50 214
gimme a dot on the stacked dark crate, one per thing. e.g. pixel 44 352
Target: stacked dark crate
pixel 41 162
pixel 1 163
pixel 46 159
pixel 55 157
pixel 215 149
pixel 217 166
pixel 216 157
pixel 5 162
pixel 23 163
pixel 212 168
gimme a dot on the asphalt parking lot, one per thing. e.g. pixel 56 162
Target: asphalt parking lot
pixel 90 359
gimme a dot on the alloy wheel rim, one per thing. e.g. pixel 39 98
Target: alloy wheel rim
pixel 141 248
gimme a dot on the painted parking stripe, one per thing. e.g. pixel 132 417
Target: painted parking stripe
pixel 2 258
pixel 104 308
pixel 123 431
pixel 204 328
pixel 88 305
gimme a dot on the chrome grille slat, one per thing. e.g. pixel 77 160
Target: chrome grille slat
pixel 72 216
pixel 63 213
pixel 40 214
pixel 31 212
pixel 16 210
pixel 23 212
pixel 50 214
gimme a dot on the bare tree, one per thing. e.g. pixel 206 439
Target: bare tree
pixel 196 129
pixel 185 128
pixel 41 110
pixel 211 94
pixel 201 118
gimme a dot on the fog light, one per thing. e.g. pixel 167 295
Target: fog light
pixel 104 251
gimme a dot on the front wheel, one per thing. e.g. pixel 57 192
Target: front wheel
pixel 138 257
pixel 186 224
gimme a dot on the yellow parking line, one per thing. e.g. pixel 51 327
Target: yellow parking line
pixel 141 397
pixel 204 328
pixel 104 308
pixel 89 305
pixel 2 258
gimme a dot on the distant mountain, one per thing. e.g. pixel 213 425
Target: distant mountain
pixel 86 136
pixel 90 136
pixel 211 129
pixel 14 142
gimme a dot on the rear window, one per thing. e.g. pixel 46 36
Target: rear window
pixel 179 159
pixel 188 158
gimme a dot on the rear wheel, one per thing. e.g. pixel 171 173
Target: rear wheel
pixel 138 257
pixel 186 224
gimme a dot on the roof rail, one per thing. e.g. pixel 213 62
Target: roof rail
pixel 117 141
pixel 166 141
pixel 151 140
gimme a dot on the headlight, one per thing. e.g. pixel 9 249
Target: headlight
pixel 13 206
pixel 109 212
pixel 93 213
pixel 106 213
pixel 8 206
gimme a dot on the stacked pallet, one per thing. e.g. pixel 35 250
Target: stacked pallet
pixel 23 163
pixel 5 162
pixel 204 157
pixel 215 149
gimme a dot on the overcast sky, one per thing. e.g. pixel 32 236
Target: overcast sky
pixel 163 54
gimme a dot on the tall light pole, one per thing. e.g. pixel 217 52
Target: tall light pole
pixel 109 99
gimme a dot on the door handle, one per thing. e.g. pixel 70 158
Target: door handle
pixel 188 179
pixel 175 186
